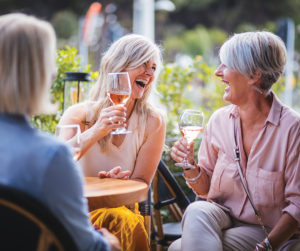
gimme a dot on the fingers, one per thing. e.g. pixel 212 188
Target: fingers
pixel 181 150
pixel 115 170
pixel 115 173
pixel 113 116
pixel 112 240
pixel 103 174
pixel 124 175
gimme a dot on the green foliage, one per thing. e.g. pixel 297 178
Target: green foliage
pixel 188 87
pixel 173 81
pixel 65 24
pixel 245 27
pixel 67 60
pixel 198 41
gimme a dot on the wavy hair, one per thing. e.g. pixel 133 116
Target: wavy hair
pixel 128 52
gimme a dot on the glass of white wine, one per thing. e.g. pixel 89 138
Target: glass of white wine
pixel 191 124
pixel 70 134
pixel 118 91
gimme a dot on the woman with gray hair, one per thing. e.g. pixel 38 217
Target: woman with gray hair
pixel 135 155
pixel 248 165
pixel 32 161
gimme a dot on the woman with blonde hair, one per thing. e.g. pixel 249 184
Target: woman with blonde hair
pixel 30 160
pixel 135 155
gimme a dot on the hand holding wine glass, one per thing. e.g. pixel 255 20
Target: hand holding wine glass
pixel 118 91
pixel 190 124
pixel 71 134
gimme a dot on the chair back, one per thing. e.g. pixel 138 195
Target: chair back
pixel 167 194
pixel 170 188
pixel 27 224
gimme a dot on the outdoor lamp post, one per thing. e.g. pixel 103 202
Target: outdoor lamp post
pixel 74 90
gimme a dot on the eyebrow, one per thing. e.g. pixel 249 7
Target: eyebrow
pixel 148 62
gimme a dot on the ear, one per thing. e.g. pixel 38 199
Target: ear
pixel 255 79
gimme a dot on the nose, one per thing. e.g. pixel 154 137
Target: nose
pixel 219 70
pixel 149 71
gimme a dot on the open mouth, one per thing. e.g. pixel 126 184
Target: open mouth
pixel 141 83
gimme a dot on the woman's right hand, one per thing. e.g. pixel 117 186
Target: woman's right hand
pixel 115 173
pixel 181 149
pixel 111 118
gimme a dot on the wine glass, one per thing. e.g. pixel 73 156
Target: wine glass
pixel 71 134
pixel 118 91
pixel 191 125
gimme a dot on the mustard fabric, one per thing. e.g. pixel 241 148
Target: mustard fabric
pixel 125 224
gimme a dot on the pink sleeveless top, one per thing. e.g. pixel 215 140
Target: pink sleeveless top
pixel 94 160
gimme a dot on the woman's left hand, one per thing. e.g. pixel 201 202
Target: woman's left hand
pixel 115 173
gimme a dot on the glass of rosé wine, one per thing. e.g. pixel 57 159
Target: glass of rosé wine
pixel 118 91
pixel 70 134
pixel 191 124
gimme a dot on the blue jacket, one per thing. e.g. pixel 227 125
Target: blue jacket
pixel 43 167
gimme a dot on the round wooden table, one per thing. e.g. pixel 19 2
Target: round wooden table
pixel 109 192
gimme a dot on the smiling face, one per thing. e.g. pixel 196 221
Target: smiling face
pixel 237 85
pixel 141 77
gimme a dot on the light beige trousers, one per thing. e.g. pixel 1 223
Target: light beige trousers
pixel 206 226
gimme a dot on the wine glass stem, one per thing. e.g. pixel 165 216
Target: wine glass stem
pixel 185 161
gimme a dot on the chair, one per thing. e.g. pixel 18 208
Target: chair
pixel 145 211
pixel 26 224
pixel 168 194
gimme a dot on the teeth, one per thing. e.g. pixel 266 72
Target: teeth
pixel 142 80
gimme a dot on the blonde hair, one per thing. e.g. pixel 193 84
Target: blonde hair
pixel 27 64
pixel 253 52
pixel 129 52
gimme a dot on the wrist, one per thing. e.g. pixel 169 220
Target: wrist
pixel 190 166
pixel 265 245
pixel 193 176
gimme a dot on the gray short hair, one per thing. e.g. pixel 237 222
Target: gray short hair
pixel 253 52
pixel 27 64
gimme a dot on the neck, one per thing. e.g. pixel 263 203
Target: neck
pixel 130 106
pixel 256 110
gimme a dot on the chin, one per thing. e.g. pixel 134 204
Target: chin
pixel 137 95
pixel 227 98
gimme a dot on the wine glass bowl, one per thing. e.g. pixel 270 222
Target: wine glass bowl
pixel 191 124
pixel 118 91
pixel 70 134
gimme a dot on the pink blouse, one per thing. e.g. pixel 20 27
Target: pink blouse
pixel 272 171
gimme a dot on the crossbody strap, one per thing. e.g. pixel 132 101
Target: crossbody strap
pixel 237 161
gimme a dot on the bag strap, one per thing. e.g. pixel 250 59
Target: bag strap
pixel 237 161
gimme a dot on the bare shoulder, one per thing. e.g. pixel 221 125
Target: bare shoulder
pixel 74 114
pixel 156 122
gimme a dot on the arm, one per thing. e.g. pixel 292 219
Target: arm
pixel 283 230
pixel 62 192
pixel 150 152
pixel 289 222
pixel 207 157
pixel 77 115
